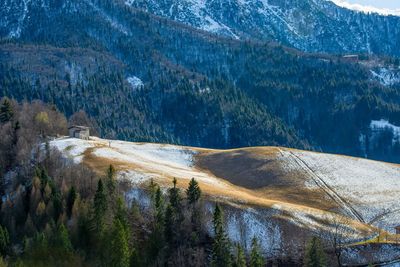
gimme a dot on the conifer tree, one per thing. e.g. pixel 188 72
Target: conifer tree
pixel 157 237
pixel 220 254
pixel 16 129
pixel 58 208
pixel 6 111
pixel 99 207
pixel 72 195
pixel 62 238
pixel 153 188
pixel 240 258
pixel 256 259
pixel 159 207
pixel 315 256
pixel 121 214
pixel 2 262
pixel 4 240
pixel 119 245
pixel 29 227
pixel 110 180
pixel 193 192
pixel 173 217
pixel 2 188
pixel 169 225
pixel 175 198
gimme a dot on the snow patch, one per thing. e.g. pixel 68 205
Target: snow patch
pixel 71 148
pixel 139 196
pixel 135 82
pixel 143 160
pixel 136 178
pixel 369 187
pixel 366 9
pixel 386 125
pixel 386 77
pixel 205 90
pixel 243 226
pixel 155 153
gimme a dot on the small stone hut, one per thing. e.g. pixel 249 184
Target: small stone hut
pixel 81 132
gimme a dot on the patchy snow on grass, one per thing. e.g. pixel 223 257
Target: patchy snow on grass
pixel 300 218
pixel 157 160
pixel 167 155
pixel 136 178
pixel 370 187
pixel 140 161
pixel 243 226
pixel 363 188
pixel 71 148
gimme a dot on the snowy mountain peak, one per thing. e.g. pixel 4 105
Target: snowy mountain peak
pixel 367 9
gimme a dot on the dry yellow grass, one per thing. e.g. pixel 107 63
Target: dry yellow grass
pixel 265 186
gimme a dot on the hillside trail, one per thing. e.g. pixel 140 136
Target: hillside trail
pixel 319 181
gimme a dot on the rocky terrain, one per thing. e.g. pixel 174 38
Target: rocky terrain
pixel 312 25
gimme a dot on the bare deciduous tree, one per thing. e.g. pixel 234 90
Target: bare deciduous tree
pixel 340 233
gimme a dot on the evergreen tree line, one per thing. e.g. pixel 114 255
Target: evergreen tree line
pixel 57 213
pixel 64 229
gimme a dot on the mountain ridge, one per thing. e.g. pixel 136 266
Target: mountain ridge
pixel 198 88
pixel 313 25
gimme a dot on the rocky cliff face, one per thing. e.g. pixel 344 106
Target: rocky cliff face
pixel 312 25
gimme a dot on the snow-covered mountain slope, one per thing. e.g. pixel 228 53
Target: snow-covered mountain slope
pixel 308 189
pixel 311 25
pixel 366 8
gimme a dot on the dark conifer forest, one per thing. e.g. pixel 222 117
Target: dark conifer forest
pixel 199 89
pixel 131 75
pixel 57 213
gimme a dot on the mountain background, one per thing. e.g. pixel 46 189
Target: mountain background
pixel 218 74
pixel 312 25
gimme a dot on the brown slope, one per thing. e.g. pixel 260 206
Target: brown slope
pixel 262 170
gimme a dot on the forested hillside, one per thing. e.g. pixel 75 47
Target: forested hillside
pixel 57 213
pixel 199 89
pixel 58 210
